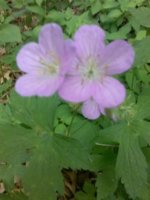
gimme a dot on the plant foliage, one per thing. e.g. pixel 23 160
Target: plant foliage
pixel 40 137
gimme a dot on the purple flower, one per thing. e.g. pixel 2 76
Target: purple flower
pixel 45 63
pixel 89 79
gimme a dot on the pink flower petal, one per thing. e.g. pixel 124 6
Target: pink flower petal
pixel 90 109
pixel 74 90
pixel 109 93
pixel 69 58
pixel 89 40
pixel 118 57
pixel 28 58
pixel 29 85
pixel 51 40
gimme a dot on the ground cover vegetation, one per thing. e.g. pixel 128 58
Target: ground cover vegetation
pixel 53 148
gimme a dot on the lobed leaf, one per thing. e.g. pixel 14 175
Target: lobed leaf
pixel 35 112
pixel 141 15
pixel 131 165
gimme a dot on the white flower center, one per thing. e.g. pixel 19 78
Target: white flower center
pixel 50 66
pixel 91 69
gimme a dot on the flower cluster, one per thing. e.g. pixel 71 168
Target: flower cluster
pixel 80 70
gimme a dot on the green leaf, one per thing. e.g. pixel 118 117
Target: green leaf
pixel 143 74
pixel 19 3
pixel 135 24
pixel 126 4
pixel 69 13
pixel 64 114
pixel 9 19
pixel 84 131
pixel 3 4
pixel 143 105
pixel 33 33
pixel 141 15
pixel 56 16
pixel 13 196
pixel 5 114
pixel 88 192
pixel 141 34
pixel 77 20
pixel 106 184
pixel 76 159
pixel 61 129
pixel 37 10
pixel 9 33
pixel 113 14
pixel 45 156
pixel 43 178
pixel 110 4
pixel 35 112
pixel 131 165
pixel 120 34
pixel 14 142
pixel 110 135
pixel 10 58
pixel 39 2
pixel 106 181
pixel 96 7
pixel 142 50
pixel 145 132
pixel 116 35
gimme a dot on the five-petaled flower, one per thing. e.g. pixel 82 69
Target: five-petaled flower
pixel 45 63
pixel 90 79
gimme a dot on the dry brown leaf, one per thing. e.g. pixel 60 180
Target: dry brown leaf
pixel 2 187
pixel 17 184
pixel 2 51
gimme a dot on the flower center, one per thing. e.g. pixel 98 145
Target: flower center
pixel 91 70
pixel 50 66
